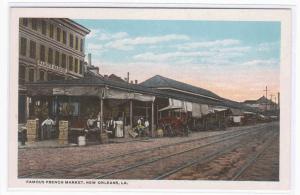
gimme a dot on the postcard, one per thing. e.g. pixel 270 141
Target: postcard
pixel 150 98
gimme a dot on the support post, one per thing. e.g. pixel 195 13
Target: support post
pixel 152 119
pixel 46 76
pixel 146 114
pixel 56 108
pixel 26 74
pixel 27 114
pixel 156 115
pixel 101 115
pixel 130 109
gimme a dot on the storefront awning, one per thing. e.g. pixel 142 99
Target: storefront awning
pixel 118 94
pixel 102 92
pixel 170 107
pixel 175 104
pixel 219 109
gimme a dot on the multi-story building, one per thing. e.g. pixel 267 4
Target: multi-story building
pixel 49 49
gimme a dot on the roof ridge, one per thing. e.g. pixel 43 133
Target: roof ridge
pixel 166 79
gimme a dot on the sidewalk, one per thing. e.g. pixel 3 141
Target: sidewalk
pixel 45 144
pixel 55 144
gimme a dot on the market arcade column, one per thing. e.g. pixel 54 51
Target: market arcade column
pixel 130 113
pixel 152 118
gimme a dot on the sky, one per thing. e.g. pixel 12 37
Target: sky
pixel 234 59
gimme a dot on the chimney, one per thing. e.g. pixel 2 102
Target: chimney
pixel 131 82
pixel 89 59
pixel 128 77
pixel 135 81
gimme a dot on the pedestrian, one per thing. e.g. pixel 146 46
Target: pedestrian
pixel 146 131
pixel 111 127
pixel 47 128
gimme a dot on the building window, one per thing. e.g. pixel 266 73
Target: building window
pixel 63 60
pixel 22 74
pixel 44 27
pixel 42 53
pixel 81 45
pixel 76 65
pixel 34 23
pixel 58 34
pixel 80 67
pixel 56 58
pixel 23 47
pixel 70 63
pixel 25 21
pixel 71 41
pixel 64 37
pixel 51 31
pixel 50 56
pixel 42 75
pixel 76 43
pixel 32 49
pixel 49 76
pixel 31 75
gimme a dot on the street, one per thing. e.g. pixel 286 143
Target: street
pixel 239 153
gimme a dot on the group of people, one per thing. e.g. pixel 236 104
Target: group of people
pixel 115 128
pixel 142 127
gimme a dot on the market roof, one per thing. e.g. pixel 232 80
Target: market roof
pixel 160 82
pixel 93 80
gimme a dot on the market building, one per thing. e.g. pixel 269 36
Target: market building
pixel 105 99
pixel 214 112
pixel 49 49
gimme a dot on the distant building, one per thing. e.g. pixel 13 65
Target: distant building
pixel 49 49
pixel 116 78
pixel 262 104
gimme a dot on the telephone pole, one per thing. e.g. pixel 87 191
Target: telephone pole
pixel 266 90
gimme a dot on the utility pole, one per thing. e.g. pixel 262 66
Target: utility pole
pixel 266 90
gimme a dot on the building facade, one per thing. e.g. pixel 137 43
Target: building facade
pixel 262 103
pixel 49 49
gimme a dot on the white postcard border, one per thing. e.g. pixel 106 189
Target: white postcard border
pixel 282 15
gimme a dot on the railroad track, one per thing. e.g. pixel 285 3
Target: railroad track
pixel 69 168
pixel 206 157
pixel 217 154
pixel 253 158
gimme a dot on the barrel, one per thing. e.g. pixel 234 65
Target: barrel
pixel 81 141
